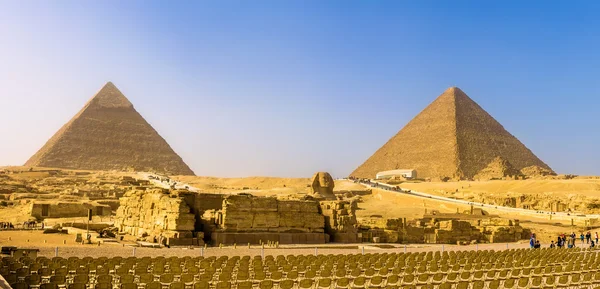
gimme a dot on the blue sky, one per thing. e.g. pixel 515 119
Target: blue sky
pixel 287 88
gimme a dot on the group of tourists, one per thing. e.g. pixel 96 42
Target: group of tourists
pixel 24 225
pixel 569 241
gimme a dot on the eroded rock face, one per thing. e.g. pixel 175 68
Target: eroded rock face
pixel 322 185
pixel 156 215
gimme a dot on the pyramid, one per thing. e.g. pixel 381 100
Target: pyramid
pixel 498 168
pixel 452 138
pixel 109 134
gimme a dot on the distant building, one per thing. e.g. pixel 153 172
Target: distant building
pixel 407 174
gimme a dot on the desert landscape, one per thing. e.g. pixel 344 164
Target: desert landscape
pixel 453 184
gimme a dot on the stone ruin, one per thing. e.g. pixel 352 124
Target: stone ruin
pixel 181 217
pixel 159 216
pixel 322 185
pixel 340 220
pixel 247 219
pixel 439 228
pixel 65 209
pixel 498 169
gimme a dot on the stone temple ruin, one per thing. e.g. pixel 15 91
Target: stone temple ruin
pixel 180 217
pixel 436 228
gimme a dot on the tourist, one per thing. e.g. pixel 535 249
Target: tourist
pixel 532 242
pixel 592 245
pixel 537 245
pixel 588 236
pixel 596 235
pixel 559 242
pixel 581 236
pixel 571 242
pixel 552 244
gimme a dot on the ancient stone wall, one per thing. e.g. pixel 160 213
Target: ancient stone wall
pixel 446 229
pixel 340 220
pixel 243 213
pixel 53 209
pixel 158 216
pixel 248 219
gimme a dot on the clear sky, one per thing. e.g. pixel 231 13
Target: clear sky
pixel 287 88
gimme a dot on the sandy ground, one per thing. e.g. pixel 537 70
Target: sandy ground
pixel 585 186
pixel 48 244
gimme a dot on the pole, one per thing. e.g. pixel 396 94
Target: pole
pixel 363 250
pixel 202 251
pixel 316 251
pixel 56 252
pixel 442 248
pixel 133 252
pixel 262 251
pixel 506 246
pixel 404 248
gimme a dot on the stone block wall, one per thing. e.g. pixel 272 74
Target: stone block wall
pixel 157 216
pixel 53 209
pixel 244 213
pixel 340 220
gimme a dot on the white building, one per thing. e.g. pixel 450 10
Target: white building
pixel 408 174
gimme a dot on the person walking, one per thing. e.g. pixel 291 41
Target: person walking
pixel 596 235
pixel 588 237
pixel 581 236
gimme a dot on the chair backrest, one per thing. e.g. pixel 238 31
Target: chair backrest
pixel 223 285
pixel 244 285
pixel 50 285
pixel 166 278
pixel 128 286
pixel 177 285
pixel 126 278
pixel 81 286
pixel 201 285
pixel 307 283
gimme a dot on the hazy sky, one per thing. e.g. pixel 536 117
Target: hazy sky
pixel 287 88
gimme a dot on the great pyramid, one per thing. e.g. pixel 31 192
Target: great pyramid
pixel 109 134
pixel 452 138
